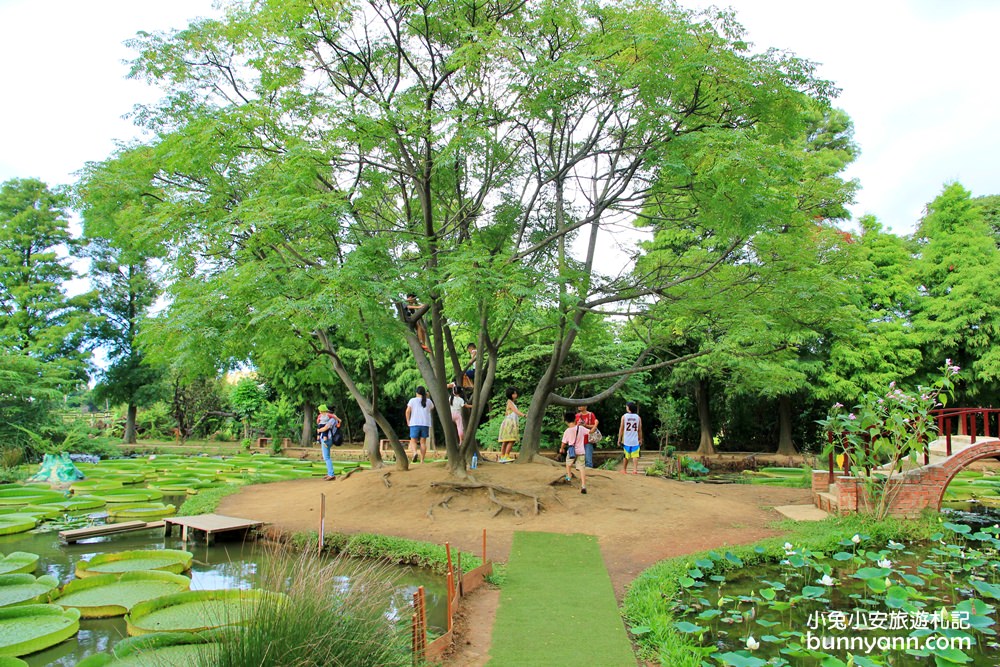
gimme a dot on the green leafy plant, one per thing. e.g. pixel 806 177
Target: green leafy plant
pixel 657 469
pixel 691 467
pixel 884 431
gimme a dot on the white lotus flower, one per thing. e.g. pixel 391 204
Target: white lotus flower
pixel 856 539
pixel 893 544
pixel 827 580
pixel 788 546
pixel 885 562
pixel 752 643
pixel 152 457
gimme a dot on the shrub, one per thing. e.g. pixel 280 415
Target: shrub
pixel 334 614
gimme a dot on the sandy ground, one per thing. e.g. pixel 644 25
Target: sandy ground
pixel 638 520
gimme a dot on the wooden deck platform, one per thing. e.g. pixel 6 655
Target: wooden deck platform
pixel 77 534
pixel 210 524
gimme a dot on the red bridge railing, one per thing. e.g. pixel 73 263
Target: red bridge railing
pixel 966 421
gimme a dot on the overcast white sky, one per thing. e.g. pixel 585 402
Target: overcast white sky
pixel 918 78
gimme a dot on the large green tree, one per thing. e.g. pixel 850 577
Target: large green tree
pixel 329 160
pixel 40 319
pixel 958 314
pixel 122 269
pixel 42 329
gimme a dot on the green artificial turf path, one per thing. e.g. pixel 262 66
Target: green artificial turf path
pixel 557 606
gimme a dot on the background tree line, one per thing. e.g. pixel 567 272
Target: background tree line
pixel 308 167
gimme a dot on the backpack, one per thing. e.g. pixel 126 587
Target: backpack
pixel 337 438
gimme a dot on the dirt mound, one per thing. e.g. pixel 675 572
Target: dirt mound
pixel 638 520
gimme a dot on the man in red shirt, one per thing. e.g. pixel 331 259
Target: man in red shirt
pixel 588 419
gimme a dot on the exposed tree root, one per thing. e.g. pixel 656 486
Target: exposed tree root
pixel 442 503
pixel 385 479
pixel 501 505
pixel 492 490
pixel 349 473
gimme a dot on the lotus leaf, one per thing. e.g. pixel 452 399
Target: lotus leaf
pixel 28 628
pixel 9 661
pixel 146 511
pixel 18 562
pixel 16 523
pixel 194 611
pixel 114 594
pixel 26 589
pixel 167 560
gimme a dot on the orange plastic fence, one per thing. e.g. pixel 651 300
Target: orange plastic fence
pixel 458 585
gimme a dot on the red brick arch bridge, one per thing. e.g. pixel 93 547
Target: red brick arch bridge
pixel 841 492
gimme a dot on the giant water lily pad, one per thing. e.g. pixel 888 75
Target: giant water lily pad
pixel 165 560
pixel 26 589
pixel 93 485
pixel 141 511
pixel 29 495
pixel 160 649
pixel 75 504
pixel 29 628
pixel 17 523
pixel 39 512
pixel 125 495
pixel 114 594
pixel 18 562
pixel 195 611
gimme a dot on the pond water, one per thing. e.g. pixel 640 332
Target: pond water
pixel 864 593
pixel 223 565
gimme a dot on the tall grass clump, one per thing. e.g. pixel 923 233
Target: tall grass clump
pixel 335 613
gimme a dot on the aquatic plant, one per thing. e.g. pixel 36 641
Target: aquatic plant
pixel 883 431
pixel 333 614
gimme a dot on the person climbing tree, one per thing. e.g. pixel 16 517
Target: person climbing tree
pixel 412 306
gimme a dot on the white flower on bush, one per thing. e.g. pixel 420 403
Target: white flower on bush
pixel 885 562
pixel 856 539
pixel 752 643
pixel 827 580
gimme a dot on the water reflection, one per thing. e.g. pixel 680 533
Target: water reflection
pixel 223 565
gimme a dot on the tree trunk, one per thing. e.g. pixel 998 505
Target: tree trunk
pixel 785 445
pixel 532 439
pixel 705 444
pixel 367 409
pixel 305 440
pixel 372 448
pixel 129 438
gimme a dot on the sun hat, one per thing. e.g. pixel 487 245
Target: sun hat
pixel 323 408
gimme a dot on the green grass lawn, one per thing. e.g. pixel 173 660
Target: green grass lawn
pixel 557 606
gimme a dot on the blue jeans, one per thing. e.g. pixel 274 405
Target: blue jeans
pixel 325 446
pixel 589 454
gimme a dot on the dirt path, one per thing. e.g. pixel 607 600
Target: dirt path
pixel 637 520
